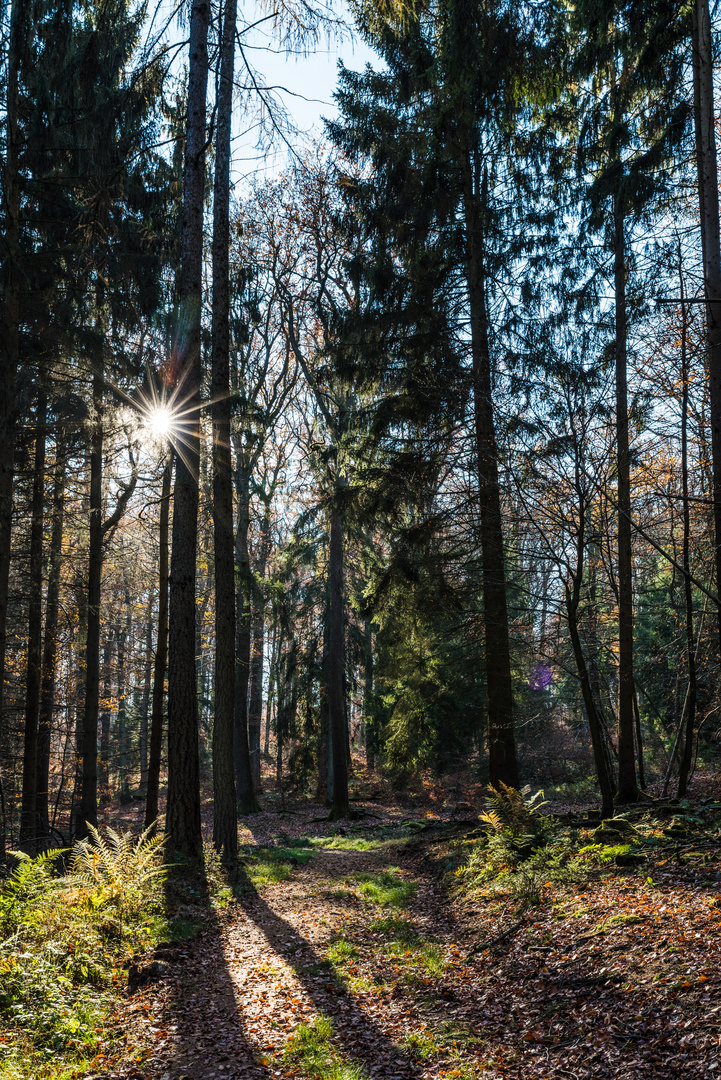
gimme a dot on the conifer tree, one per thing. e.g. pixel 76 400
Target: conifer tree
pixel 633 114
pixel 446 200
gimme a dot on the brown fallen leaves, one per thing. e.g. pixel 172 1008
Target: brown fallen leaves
pixel 619 977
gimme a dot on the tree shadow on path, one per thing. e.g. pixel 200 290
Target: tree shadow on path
pixel 356 1033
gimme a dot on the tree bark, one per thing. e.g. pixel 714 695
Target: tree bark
pixel 255 705
pixel 122 725
pixel 247 803
pixel 50 643
pixel 88 809
pixel 145 700
pixel 627 786
pixel 104 759
pixel 161 652
pixel 10 336
pixel 225 826
pixel 368 694
pixel 81 641
pixel 687 753
pixel 337 760
pixel 707 171
pixel 501 739
pixel 183 809
pixel 29 826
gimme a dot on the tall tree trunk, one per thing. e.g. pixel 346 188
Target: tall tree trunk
pixel 50 643
pixel 10 336
pixel 104 758
pixel 247 803
pixel 324 786
pixel 271 696
pixel 627 787
pixel 687 754
pixel 337 760
pixel 183 810
pixel 707 169
pixel 81 643
pixel 122 723
pixel 255 705
pixel 595 723
pixel 225 827
pixel 145 700
pixel 88 809
pixel 501 739
pixel 28 820
pixel 368 694
pixel 161 652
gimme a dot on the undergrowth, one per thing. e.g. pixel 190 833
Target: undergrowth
pixel 64 944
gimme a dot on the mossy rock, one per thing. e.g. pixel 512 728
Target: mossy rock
pixel 630 858
pixel 677 829
pixel 612 830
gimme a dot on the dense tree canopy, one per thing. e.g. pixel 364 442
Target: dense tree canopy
pixel 408 449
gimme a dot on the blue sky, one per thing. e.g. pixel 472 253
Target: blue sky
pixel 304 84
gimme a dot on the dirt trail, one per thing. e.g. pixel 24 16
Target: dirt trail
pixel 232 998
pixel 617 978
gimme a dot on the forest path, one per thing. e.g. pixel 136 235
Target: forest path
pixel 358 967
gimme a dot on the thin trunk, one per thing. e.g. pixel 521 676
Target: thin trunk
pixel 104 759
pixel 707 170
pixel 225 827
pixel 122 725
pixel 691 696
pixel 145 700
pixel 28 819
pixel 337 726
pixel 183 809
pixel 501 739
pixel 605 781
pixel 368 694
pixel 50 643
pixel 9 338
pixel 639 740
pixel 323 787
pixel 269 700
pixel 627 786
pixel 255 706
pixel 81 641
pixel 247 803
pixel 88 809
pixel 161 652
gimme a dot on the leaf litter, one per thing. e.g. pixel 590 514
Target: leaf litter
pixel 615 976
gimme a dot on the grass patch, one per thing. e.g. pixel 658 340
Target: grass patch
pixel 264 867
pixel 341 951
pixel 387 889
pixel 338 894
pixel 401 930
pixel 421 1044
pixel 312 1051
pixel 346 843
pixel 269 865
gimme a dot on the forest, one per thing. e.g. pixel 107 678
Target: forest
pixel 360 541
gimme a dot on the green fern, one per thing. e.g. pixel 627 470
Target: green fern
pixel 30 879
pixel 119 869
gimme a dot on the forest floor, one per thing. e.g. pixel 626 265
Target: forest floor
pixel 349 951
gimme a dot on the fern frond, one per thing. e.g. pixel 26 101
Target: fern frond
pixel 493 819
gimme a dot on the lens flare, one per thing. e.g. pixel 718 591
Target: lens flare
pixel 160 422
